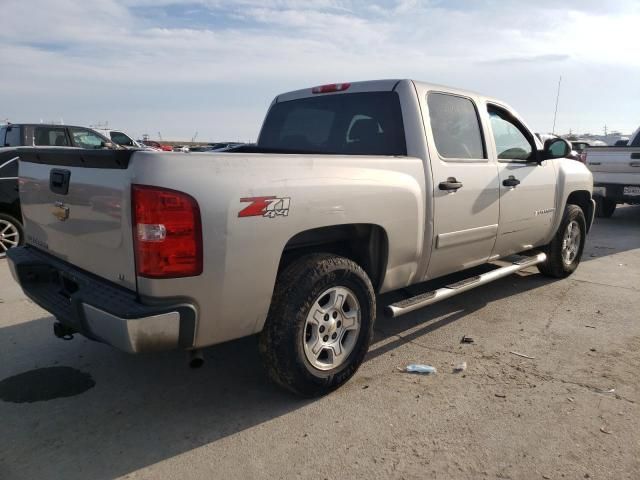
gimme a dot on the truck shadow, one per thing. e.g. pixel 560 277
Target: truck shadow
pixel 619 233
pixel 149 408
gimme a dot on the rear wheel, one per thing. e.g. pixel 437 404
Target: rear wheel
pixel 319 325
pixel 605 207
pixel 11 233
pixel 565 250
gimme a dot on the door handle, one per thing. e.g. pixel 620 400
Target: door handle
pixel 450 184
pixel 635 164
pixel 511 182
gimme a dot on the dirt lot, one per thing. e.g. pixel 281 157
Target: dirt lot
pixel 553 416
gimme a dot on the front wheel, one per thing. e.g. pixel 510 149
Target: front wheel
pixel 565 250
pixel 319 325
pixel 11 234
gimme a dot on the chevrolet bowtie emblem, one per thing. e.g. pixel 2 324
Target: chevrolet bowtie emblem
pixel 60 211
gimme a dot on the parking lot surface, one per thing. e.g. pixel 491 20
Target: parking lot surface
pixel 570 411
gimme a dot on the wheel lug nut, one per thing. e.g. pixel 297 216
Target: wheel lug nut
pixel 321 329
pixel 335 314
pixel 325 338
pixel 326 317
pixel 334 336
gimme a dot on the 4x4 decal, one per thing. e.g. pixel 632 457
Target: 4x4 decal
pixel 269 207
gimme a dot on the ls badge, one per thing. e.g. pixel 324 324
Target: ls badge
pixel 60 211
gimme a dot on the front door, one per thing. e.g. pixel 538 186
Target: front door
pixel 527 190
pixel 465 185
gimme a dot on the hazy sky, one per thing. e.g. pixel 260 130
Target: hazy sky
pixel 213 66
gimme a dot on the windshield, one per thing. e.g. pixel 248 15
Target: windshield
pixel 350 124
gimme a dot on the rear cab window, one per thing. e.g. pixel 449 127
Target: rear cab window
pixel 455 125
pixel 368 123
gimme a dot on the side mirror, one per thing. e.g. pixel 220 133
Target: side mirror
pixel 556 148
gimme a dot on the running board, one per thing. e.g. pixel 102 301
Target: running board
pixel 429 298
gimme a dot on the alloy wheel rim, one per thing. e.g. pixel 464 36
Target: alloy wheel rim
pixel 571 242
pixel 331 328
pixel 9 237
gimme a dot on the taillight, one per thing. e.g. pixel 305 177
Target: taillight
pixel 333 87
pixel 167 233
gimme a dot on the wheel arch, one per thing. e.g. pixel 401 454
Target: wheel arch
pixel 364 243
pixel 582 198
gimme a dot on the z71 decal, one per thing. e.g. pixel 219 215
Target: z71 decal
pixel 269 207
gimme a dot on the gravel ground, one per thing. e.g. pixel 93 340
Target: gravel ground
pixel 572 411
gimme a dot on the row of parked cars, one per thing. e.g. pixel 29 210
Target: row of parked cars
pixel 13 136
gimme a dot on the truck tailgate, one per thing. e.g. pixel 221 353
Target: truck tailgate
pixel 76 206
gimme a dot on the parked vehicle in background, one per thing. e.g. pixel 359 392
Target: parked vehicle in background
pixel 46 135
pixel 158 145
pixel 352 189
pixel 616 175
pixel 118 137
pixel 181 148
pixel 224 146
pixel 11 231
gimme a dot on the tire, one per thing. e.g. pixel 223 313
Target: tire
pixel 605 207
pixel 563 259
pixel 299 347
pixel 11 233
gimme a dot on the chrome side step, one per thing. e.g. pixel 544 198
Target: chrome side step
pixel 429 298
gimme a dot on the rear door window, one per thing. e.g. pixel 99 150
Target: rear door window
pixel 13 137
pixel 368 123
pixel 84 138
pixel 455 126
pixel 51 137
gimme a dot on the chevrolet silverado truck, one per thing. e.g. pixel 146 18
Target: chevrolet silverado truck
pixel 616 175
pixel 351 190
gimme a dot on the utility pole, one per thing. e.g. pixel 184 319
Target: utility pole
pixel 605 130
pixel 556 112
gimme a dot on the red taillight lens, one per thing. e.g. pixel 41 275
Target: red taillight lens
pixel 333 87
pixel 167 233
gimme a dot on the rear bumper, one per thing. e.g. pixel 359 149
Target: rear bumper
pixel 615 191
pixel 99 309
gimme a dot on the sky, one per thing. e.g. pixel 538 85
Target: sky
pixel 174 68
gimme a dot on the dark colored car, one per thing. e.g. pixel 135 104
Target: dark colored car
pixel 13 136
pixel 11 233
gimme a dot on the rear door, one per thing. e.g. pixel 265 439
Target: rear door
pixel 527 190
pixel 466 193
pixel 76 206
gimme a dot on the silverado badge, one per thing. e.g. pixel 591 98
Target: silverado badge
pixel 60 211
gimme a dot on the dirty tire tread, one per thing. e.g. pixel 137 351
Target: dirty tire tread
pixel 554 266
pixel 295 292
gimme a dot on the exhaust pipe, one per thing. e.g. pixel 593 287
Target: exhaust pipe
pixel 196 359
pixel 63 332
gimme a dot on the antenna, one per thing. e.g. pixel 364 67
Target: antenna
pixel 159 136
pixel 556 112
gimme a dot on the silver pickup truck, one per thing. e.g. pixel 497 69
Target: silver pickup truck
pixel 351 190
pixel 616 175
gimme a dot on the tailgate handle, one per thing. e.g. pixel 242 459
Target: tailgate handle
pixel 59 181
